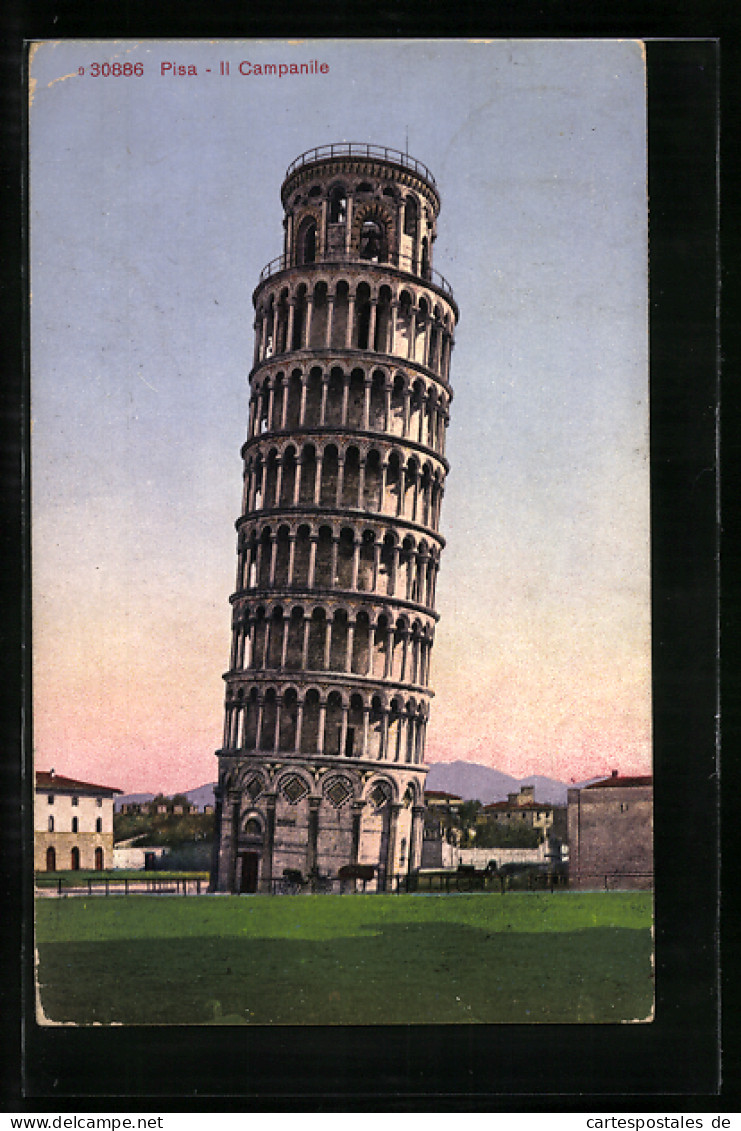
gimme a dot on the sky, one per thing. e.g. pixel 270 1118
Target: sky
pixel 154 204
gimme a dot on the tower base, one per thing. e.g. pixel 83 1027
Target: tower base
pixel 307 821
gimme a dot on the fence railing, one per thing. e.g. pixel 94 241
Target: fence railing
pixel 147 885
pixel 406 263
pixel 361 149
pixel 483 881
pixel 611 881
pixel 444 882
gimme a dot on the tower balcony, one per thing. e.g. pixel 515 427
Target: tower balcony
pixel 355 149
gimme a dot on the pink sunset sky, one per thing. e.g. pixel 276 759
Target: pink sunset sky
pixel 154 205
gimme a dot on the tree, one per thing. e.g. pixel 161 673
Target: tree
pixel 494 834
pixel 468 812
pixel 465 820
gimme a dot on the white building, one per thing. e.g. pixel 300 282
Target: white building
pixel 73 824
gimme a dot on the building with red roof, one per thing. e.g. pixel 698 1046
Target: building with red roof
pixel 439 799
pixel 610 833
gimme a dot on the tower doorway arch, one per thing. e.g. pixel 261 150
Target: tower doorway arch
pixel 249 856
pixel 248 872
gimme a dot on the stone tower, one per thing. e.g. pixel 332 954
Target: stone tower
pixel 328 691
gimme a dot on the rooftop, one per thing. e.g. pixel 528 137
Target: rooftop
pixel 404 263
pixel 617 782
pixel 518 805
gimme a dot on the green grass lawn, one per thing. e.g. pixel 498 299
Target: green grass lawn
pixel 357 959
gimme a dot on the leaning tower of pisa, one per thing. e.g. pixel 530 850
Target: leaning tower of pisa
pixel 333 615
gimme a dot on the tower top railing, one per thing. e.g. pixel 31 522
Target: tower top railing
pixel 361 149
pixel 402 262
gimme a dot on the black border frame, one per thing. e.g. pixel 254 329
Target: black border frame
pixel 447 1068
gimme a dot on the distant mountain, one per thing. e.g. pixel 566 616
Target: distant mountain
pixel 473 782
pixel 203 795
pixel 131 799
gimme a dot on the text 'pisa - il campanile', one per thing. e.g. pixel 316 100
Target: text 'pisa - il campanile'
pixel 333 617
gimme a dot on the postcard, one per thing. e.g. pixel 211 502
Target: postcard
pixel 340 530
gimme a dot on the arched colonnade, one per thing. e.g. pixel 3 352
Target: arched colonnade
pixel 321 556
pixel 376 645
pixel 379 479
pixel 289 720
pixel 411 407
pixel 295 785
pixel 354 314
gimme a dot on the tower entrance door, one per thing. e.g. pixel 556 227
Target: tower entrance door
pixel 248 872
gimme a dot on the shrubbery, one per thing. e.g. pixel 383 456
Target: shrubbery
pixel 509 835
pixel 170 829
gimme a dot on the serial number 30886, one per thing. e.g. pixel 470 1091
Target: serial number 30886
pixel 114 70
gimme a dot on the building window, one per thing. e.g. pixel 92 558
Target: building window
pixel 99 825
pixel 75 801
pixel 75 825
pixel 51 859
pixel 99 801
pixel 51 824
pixel 410 216
pixel 50 799
pixel 75 859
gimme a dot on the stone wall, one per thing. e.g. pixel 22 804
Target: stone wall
pixel 611 837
